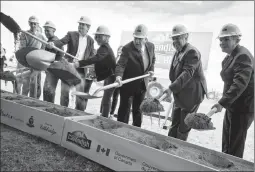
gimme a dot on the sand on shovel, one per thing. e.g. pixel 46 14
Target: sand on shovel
pixel 65 72
pixel 199 121
pixel 7 76
pixel 151 105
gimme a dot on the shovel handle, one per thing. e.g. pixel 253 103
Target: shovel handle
pixel 54 47
pixel 123 82
pixel 212 111
pixel 162 97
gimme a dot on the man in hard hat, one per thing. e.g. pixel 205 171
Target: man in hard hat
pixel 238 95
pixel 28 81
pixel 80 45
pixel 51 81
pixel 137 58
pixel 188 83
pixel 104 61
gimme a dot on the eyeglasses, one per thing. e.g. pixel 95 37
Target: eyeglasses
pixel 32 23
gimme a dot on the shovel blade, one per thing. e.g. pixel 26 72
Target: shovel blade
pixel 65 72
pixel 21 55
pixel 85 95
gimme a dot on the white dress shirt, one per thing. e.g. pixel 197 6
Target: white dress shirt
pixel 82 47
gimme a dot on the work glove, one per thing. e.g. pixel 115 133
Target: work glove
pixel 218 107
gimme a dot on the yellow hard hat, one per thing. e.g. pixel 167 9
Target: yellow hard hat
pixel 229 30
pixel 33 19
pixel 102 30
pixel 179 30
pixel 141 31
pixel 85 20
pixel 49 24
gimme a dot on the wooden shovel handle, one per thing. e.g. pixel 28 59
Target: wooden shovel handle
pixel 123 82
pixel 54 47
pixel 212 111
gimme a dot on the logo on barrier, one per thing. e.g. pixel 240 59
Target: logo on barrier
pixel 31 122
pixel 78 138
pixel 103 150
pixel 124 158
pixel 7 115
pixel 147 167
pixel 48 128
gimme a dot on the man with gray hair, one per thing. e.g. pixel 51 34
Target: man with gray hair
pixel 238 94
pixel 137 58
pixel 188 83
pixel 28 81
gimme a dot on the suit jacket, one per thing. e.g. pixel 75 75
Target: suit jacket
pixel 59 54
pixel 72 41
pixel 238 76
pixel 131 65
pixel 104 61
pixel 187 77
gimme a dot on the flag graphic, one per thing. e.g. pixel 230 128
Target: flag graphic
pixel 103 150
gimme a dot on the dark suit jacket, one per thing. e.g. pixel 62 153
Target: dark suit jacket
pixel 238 76
pixel 187 77
pixel 59 55
pixel 72 41
pixel 104 61
pixel 131 65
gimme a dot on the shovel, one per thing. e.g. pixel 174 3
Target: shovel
pixel 94 95
pixel 200 121
pixel 13 26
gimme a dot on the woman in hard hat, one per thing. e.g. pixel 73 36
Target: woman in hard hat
pixel 238 95
pixel 104 61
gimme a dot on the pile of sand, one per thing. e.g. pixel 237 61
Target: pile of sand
pixel 199 121
pixel 62 112
pixel 210 158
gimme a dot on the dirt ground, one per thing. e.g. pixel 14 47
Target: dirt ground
pixel 50 157
pixel 24 152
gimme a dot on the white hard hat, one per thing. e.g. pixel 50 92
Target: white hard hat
pixel 229 30
pixel 85 20
pixel 141 31
pixel 49 24
pixel 33 19
pixel 179 30
pixel 102 30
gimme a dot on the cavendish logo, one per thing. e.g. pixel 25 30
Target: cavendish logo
pixel 31 122
pixel 78 138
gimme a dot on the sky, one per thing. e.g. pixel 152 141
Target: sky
pixel 197 16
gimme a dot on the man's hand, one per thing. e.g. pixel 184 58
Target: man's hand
pixel 218 107
pixel 151 74
pixel 119 81
pixel 169 96
pixel 50 45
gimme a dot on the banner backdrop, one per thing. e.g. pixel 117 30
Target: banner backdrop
pixel 164 49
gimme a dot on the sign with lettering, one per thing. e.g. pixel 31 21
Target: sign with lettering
pixel 164 49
